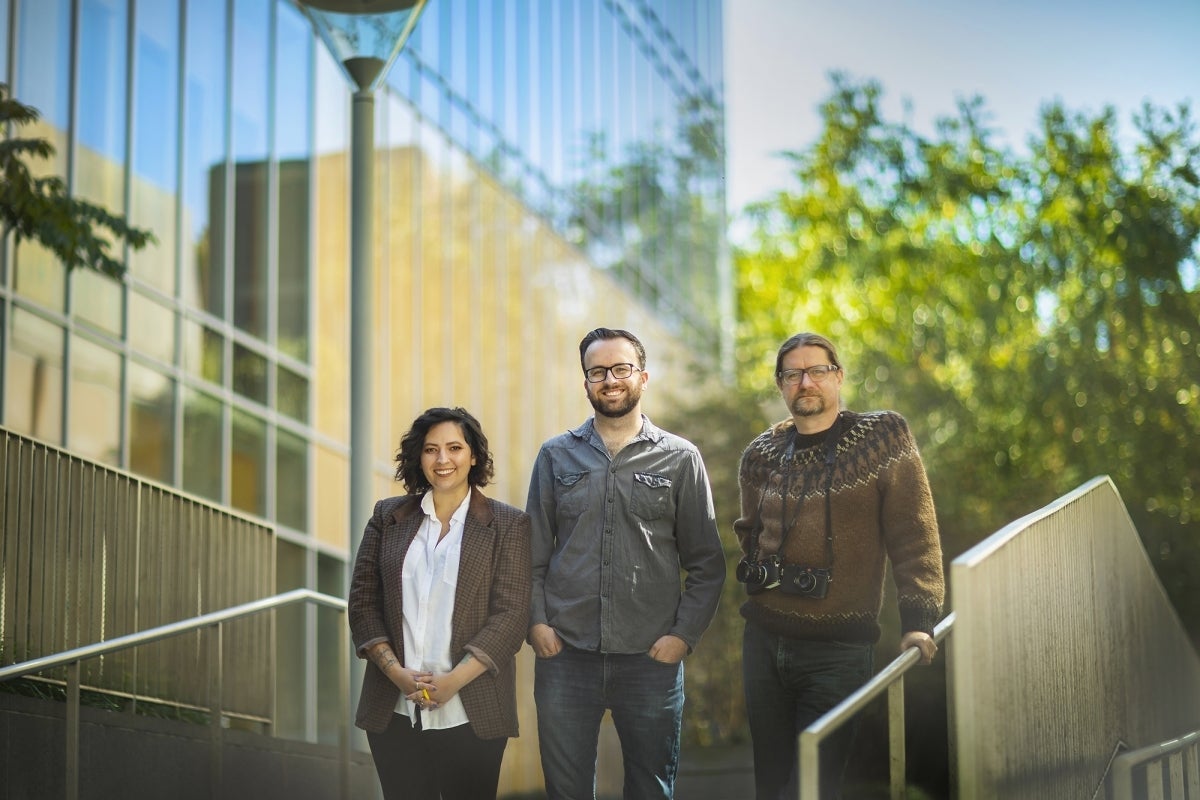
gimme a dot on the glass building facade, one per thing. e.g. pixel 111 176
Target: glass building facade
pixel 542 167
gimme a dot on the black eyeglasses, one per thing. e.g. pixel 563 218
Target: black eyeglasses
pixel 794 377
pixel 619 371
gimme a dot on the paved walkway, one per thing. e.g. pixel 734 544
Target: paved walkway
pixel 718 773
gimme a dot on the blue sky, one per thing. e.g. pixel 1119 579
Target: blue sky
pixel 1016 54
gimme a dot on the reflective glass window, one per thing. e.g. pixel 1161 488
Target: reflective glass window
pixel 151 423
pixel 293 144
pixel 202 444
pixel 151 327
pixel 251 65
pixel 250 279
pixel 155 181
pixel 203 352
pixel 39 275
pixel 33 377
pixel 292 394
pixel 94 416
pixel 249 374
pixel 3 41
pixel 43 65
pixel 291 480
pixel 248 463
pixel 204 123
pixel 101 128
pixel 97 299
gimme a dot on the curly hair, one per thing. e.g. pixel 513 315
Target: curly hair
pixel 408 457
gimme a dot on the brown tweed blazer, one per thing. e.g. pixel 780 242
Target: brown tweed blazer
pixel 491 607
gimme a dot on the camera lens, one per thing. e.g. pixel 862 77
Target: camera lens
pixel 806 581
pixel 748 572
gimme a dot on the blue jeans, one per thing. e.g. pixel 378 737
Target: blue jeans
pixel 575 687
pixel 789 684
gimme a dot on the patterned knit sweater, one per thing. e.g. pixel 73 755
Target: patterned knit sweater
pixel 879 507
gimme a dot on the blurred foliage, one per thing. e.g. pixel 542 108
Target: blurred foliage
pixel 79 233
pixel 1035 315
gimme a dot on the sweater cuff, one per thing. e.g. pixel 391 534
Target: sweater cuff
pixel 918 619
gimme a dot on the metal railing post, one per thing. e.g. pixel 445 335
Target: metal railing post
pixel 344 693
pixel 72 771
pixel 898 758
pixel 215 685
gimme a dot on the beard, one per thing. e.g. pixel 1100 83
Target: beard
pixel 802 409
pixel 615 407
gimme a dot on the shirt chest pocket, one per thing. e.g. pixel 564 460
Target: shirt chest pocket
pixel 570 493
pixel 651 496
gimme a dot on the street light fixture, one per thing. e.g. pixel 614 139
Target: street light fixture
pixel 365 37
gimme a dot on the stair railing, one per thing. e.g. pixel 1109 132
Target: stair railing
pixel 889 679
pixel 213 623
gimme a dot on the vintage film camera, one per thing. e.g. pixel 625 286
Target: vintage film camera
pixel 770 572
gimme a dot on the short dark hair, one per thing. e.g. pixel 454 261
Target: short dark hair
pixel 602 334
pixel 408 458
pixel 805 340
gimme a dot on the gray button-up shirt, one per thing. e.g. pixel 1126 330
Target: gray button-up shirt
pixel 611 535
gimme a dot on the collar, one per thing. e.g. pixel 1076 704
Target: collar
pixel 649 432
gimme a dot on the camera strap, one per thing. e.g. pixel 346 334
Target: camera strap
pixel 832 437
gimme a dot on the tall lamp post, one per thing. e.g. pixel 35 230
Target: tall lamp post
pixel 365 37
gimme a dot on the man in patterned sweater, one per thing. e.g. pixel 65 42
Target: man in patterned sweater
pixel 826 497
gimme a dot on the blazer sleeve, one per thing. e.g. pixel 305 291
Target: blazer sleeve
pixel 365 604
pixel 507 622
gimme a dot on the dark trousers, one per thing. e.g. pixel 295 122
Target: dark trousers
pixel 790 684
pixel 450 764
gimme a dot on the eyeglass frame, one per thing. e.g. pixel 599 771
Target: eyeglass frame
pixel 827 369
pixel 609 369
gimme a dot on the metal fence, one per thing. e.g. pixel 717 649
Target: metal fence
pixel 1067 651
pixel 89 553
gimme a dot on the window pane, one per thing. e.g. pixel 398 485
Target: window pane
pixel 291 394
pixel 249 374
pixel 202 437
pixel 293 143
pixel 294 178
pixel 151 328
pixel 39 275
pixel 101 121
pixel 95 412
pixel 151 423
pixel 204 156
pixel 155 134
pixel 248 464
pixel 33 378
pixel 203 352
pixel 250 289
pixel 97 299
pixel 291 481
pixel 251 65
pixel 3 41
pixel 43 65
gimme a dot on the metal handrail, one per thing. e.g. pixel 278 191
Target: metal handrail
pixel 890 678
pixel 213 621
pixel 1124 764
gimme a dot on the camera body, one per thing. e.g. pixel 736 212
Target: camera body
pixel 805 581
pixel 771 573
pixel 759 575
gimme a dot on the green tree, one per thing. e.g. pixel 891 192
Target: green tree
pixel 79 233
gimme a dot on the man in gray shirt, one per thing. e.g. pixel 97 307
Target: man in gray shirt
pixel 619 509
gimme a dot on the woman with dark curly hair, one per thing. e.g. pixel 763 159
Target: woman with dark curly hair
pixel 439 604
